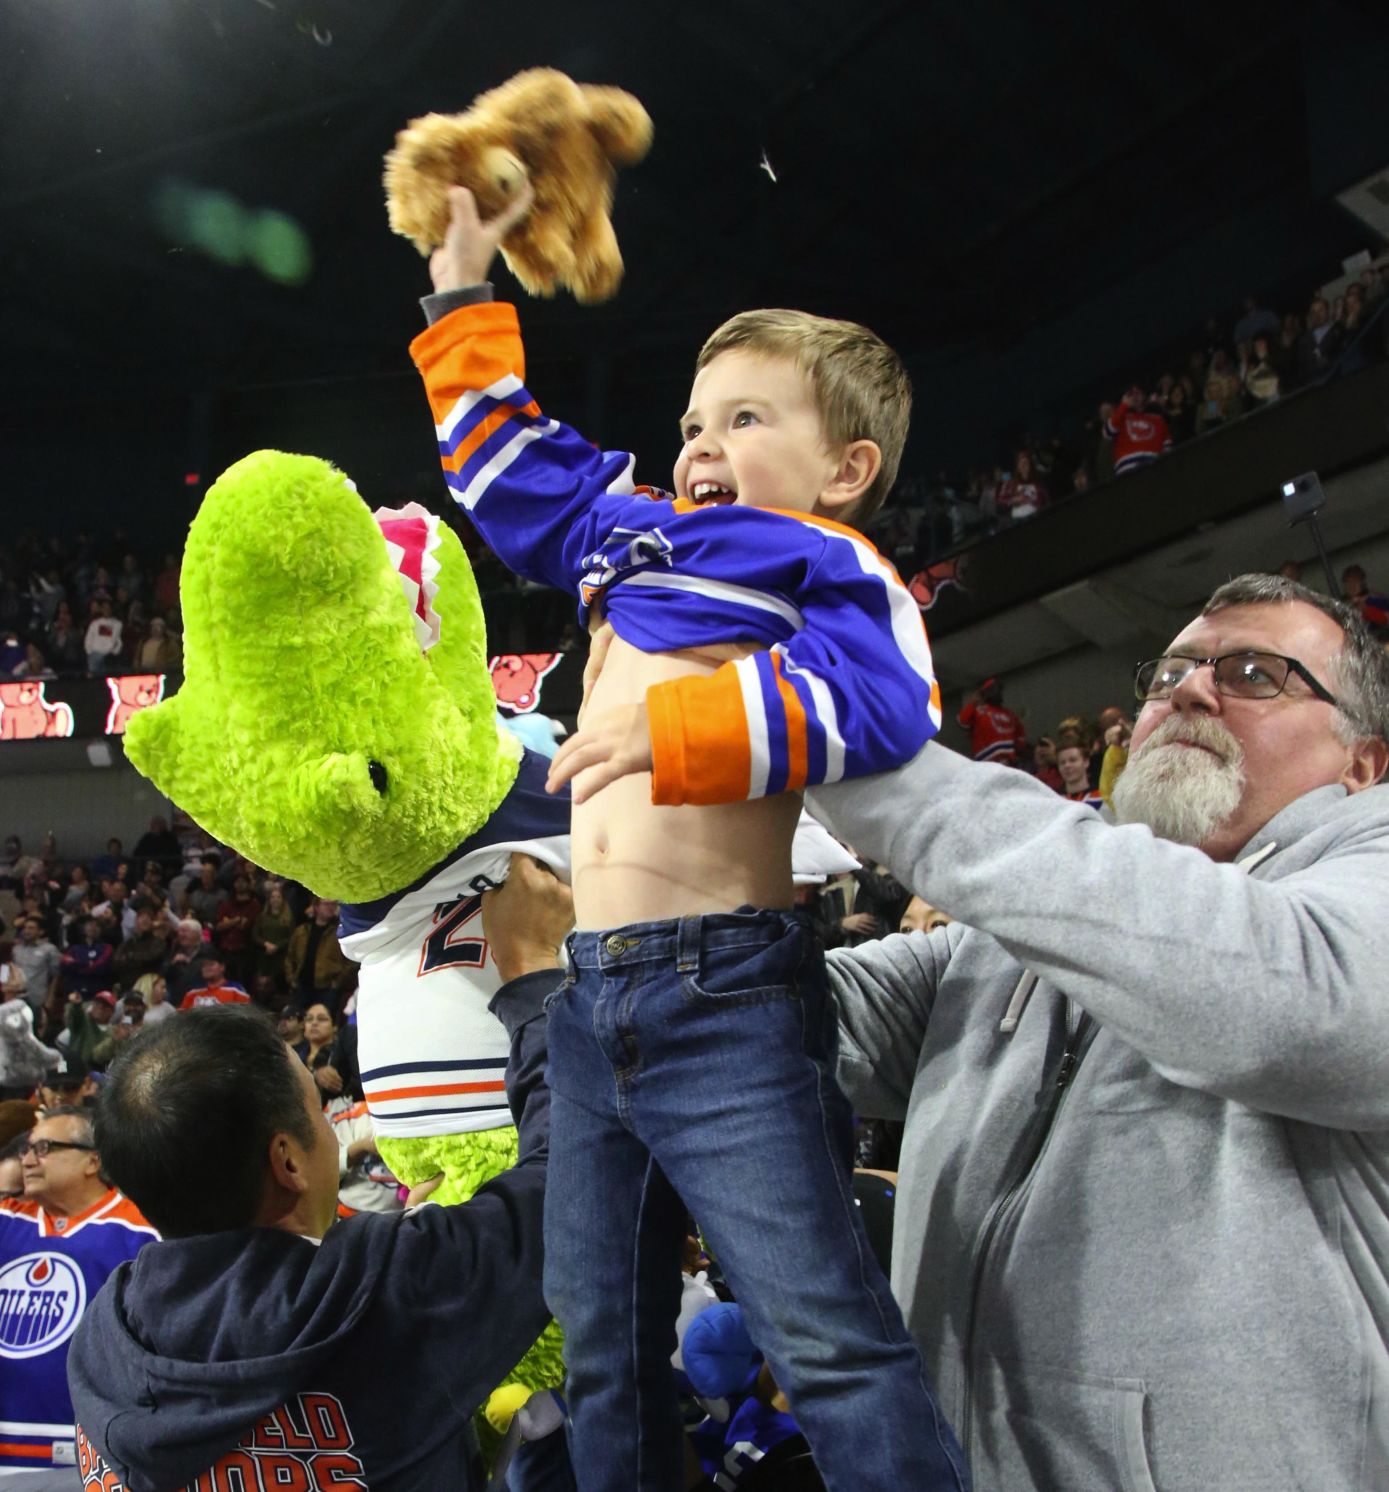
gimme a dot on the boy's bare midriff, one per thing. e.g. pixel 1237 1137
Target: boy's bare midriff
pixel 637 862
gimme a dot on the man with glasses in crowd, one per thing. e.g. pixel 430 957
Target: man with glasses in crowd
pixel 1142 1229
pixel 58 1243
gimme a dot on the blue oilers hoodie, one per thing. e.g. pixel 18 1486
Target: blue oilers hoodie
pixel 258 1359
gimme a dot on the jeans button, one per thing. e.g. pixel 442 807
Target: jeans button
pixel 616 945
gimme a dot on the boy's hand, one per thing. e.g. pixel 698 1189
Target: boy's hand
pixel 470 245
pixel 600 640
pixel 614 745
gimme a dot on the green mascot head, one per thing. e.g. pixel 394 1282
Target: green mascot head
pixel 312 731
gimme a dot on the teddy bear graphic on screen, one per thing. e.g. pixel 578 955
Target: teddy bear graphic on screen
pixel 516 678
pixel 25 714
pixel 131 693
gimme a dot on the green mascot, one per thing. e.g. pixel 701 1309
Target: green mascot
pixel 337 724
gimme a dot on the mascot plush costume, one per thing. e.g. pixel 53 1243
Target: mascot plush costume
pixel 337 724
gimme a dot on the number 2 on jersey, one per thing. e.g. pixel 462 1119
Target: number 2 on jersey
pixel 450 946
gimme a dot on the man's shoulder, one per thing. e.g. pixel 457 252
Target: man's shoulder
pixel 120 1212
pixel 18 1207
pixel 1320 828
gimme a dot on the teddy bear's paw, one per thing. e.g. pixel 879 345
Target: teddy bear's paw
pixel 533 279
pixel 598 282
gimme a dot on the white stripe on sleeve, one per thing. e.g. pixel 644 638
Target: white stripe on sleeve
pixel 759 750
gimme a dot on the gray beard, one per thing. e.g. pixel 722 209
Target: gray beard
pixel 1181 794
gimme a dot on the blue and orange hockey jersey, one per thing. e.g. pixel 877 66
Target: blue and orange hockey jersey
pixel 50 1268
pixel 846 686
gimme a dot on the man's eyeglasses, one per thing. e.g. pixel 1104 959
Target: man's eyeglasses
pixel 1237 675
pixel 42 1148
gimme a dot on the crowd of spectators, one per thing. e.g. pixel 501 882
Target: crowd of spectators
pixel 83 605
pixel 1237 366
pixel 71 605
pixel 92 952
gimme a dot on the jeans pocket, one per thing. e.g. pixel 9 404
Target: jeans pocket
pixel 559 991
pixel 750 973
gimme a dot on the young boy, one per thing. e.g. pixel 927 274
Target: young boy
pixel 692 1048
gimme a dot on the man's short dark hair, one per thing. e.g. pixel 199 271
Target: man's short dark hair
pixel 70 1077
pixel 186 1115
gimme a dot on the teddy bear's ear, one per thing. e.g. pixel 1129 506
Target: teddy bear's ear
pixel 619 123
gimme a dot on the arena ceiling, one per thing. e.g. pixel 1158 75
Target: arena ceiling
pixel 956 175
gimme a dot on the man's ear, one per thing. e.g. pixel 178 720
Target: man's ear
pixel 1369 758
pixel 287 1163
pixel 859 465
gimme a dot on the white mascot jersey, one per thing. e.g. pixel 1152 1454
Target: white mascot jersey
pixel 427 973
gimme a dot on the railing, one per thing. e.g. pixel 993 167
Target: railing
pixel 1333 424
pixel 1336 426
pixel 944 513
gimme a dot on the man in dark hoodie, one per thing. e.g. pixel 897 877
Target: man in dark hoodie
pixel 266 1344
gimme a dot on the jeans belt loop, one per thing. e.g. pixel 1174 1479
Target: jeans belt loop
pixel 687 945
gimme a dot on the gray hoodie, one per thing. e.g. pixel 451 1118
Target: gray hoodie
pixel 1143 1222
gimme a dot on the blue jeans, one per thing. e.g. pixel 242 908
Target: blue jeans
pixel 694 1059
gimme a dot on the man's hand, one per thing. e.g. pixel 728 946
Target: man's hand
pixel 865 924
pixel 328 1078
pixel 527 918
pixel 470 245
pixel 614 745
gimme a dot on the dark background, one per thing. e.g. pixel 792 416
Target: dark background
pixel 1025 198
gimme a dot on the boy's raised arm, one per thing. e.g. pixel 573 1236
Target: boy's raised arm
pixel 542 496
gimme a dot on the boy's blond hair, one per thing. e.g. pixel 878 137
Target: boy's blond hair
pixel 859 385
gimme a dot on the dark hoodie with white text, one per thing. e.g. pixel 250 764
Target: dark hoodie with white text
pixel 259 1359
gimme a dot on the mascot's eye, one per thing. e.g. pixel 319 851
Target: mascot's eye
pixel 377 773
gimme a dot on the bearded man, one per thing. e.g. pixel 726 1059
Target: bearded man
pixel 1142 1230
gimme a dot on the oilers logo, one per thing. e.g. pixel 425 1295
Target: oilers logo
pixel 42 1297
pixel 627 550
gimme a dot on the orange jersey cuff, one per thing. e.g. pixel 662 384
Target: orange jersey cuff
pixel 699 739
pixel 477 345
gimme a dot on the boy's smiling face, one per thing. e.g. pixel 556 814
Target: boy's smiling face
pixel 753 436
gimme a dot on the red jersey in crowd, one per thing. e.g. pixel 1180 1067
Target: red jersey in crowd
pixel 995 732
pixel 1374 609
pixel 1139 437
pixel 243 914
pixel 1020 499
pixel 224 992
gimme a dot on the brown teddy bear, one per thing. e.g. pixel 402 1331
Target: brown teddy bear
pixel 567 137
